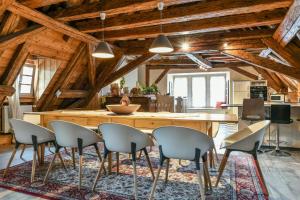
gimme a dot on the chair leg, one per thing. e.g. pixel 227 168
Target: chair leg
pixel 155 183
pixel 99 172
pixel 205 169
pixel 23 149
pixel 133 154
pixel 140 155
pixel 222 166
pixel 118 162
pixel 73 158
pixel 167 170
pixel 199 176
pixel 35 148
pixel 11 159
pixel 261 175
pixel 216 154
pixel 61 160
pixel 149 162
pixel 49 168
pixel 134 178
pixel 99 154
pixel 80 148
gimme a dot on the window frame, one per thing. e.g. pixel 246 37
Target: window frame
pixel 32 81
pixel 207 77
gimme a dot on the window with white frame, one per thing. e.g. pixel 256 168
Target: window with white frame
pixel 200 89
pixel 26 80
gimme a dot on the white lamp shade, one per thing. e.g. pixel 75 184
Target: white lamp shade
pixel 161 44
pixel 103 50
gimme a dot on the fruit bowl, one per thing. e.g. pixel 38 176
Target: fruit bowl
pixel 123 109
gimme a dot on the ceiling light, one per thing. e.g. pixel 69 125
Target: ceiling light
pixel 161 44
pixel 103 49
pixel 185 46
pixel 225 44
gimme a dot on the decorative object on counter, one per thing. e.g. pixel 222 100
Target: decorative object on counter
pixel 136 91
pixel 114 89
pixel 153 89
pixel 123 109
pixel 126 91
pixel 125 101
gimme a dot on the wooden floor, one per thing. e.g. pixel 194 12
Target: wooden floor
pixel 282 175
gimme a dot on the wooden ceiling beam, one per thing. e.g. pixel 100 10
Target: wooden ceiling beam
pixel 173 62
pixel 265 63
pixel 111 8
pixel 16 38
pixel 40 3
pixel 46 99
pixel 200 26
pixel 40 18
pixel 289 26
pixel 14 67
pixel 245 73
pixel 3 6
pixel 199 60
pixel 199 48
pixel 72 94
pixel 231 65
pixel 271 83
pixel 6 90
pixel 288 82
pixel 144 58
pixel 184 13
pixel 284 52
pixel 161 76
pixel 157 67
pixel 91 66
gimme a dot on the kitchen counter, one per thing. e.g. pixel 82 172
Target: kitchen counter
pixel 289 133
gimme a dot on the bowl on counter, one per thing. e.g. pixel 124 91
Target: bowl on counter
pixel 123 109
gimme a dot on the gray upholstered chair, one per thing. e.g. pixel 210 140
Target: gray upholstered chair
pixel 185 144
pixel 27 133
pixel 72 135
pixel 247 140
pixel 124 139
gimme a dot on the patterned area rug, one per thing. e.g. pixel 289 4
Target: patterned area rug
pixel 239 180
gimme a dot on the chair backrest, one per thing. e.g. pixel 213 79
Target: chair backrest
pixel 281 114
pixel 246 138
pixel 253 109
pixel 181 143
pixel 24 130
pixel 118 137
pixel 67 134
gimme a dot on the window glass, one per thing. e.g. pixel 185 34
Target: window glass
pixel 27 70
pixel 25 89
pixel 180 87
pixel 26 80
pixel 198 92
pixel 217 90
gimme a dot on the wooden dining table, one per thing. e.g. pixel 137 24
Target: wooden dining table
pixel 140 120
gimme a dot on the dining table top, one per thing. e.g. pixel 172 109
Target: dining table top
pixel 212 117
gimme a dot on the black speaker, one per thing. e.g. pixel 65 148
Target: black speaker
pixel 281 114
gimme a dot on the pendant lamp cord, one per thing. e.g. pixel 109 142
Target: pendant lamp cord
pixel 102 17
pixel 160 6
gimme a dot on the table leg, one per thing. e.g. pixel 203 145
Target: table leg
pixel 42 154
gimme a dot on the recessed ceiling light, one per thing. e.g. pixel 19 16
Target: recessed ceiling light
pixel 185 46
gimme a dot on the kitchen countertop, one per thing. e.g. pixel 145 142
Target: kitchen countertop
pixel 266 104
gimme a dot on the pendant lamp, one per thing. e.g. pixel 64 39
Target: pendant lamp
pixel 161 44
pixel 103 49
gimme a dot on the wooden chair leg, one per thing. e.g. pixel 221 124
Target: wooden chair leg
pixel 216 154
pixel 149 163
pixel 80 149
pixel 33 166
pixel 49 168
pixel 155 183
pixel 205 169
pixel 99 154
pixel 73 158
pixel 61 160
pixel 80 170
pixel 118 162
pixel 199 176
pixel 167 170
pixel 23 149
pixel 261 175
pixel 99 173
pixel 140 155
pixel 222 166
pixel 10 160
pixel 134 179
